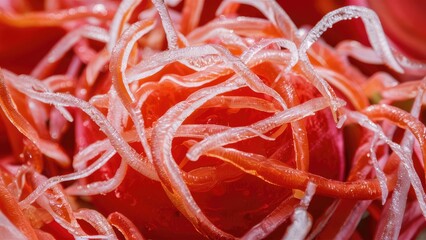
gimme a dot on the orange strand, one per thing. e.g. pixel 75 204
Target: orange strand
pixel 402 119
pixel 38 19
pixel 10 207
pixel 125 226
pixel 300 136
pixel 276 173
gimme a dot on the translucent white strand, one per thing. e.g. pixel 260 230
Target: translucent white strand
pixel 120 18
pixel 400 151
pixel 192 80
pixel 67 42
pixel 244 26
pixel 227 37
pixel 100 101
pixel 375 33
pixel 323 87
pixel 252 80
pixel 9 230
pixel 48 148
pixel 120 145
pixel 74 230
pixel 359 52
pixel 218 69
pixel 58 82
pixel 201 63
pixel 355 94
pixel 95 66
pixel 372 24
pixel 57 125
pixel 379 172
pixel 100 187
pixel 356 213
pixel 322 221
pixel 171 34
pixel 271 222
pixel 284 43
pixel 51 182
pixel 39 115
pixel 234 135
pixel 83 156
pixel 410 66
pixel 117 114
pixel 28 81
pixel 99 222
pixel 270 9
pixel 278 57
pixel 89 32
pixel 136 31
pixel 154 64
pixel 54 200
pixel 392 216
pixel 162 138
pixel 199 130
pixel 94 149
pixel 241 102
pixel 138 119
pixel 302 221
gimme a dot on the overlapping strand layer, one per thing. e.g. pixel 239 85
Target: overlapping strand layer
pixel 121 58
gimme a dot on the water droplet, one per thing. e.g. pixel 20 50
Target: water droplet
pixel 118 193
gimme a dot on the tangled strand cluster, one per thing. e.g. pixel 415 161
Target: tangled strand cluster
pixel 232 62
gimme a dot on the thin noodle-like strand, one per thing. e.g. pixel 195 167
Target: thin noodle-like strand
pixel 168 170
pixel 269 9
pixel 121 17
pixel 99 222
pixel 393 114
pixel 300 137
pixel 278 174
pixel 100 187
pixel 391 222
pixel 12 211
pixel 65 44
pixel 118 66
pixel 273 220
pixel 238 134
pixel 352 91
pixel 125 226
pixel 122 147
pixel 302 221
pixel 9 108
pixel 191 14
pixel 57 18
pixel 171 34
